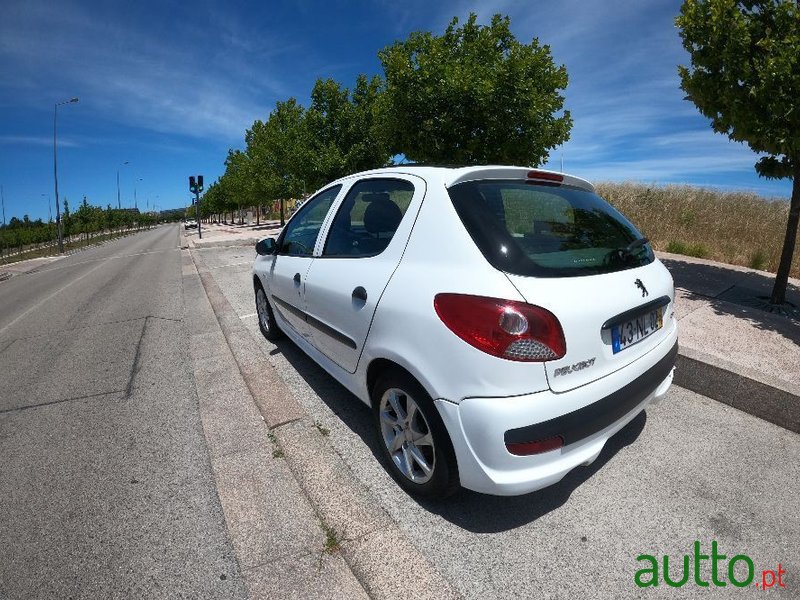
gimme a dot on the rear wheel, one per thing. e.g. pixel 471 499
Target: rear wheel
pixel 266 318
pixel 413 438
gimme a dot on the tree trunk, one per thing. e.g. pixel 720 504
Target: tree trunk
pixel 782 278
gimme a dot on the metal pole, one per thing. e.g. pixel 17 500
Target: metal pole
pixel 55 170
pixel 119 203
pixel 197 214
pixel 55 178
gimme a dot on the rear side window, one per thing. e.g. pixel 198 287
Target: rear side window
pixel 547 231
pixel 368 218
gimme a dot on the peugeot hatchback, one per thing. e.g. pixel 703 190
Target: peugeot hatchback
pixel 501 322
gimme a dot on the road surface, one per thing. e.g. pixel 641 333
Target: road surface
pixel 105 482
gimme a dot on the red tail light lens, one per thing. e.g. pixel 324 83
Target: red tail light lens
pixel 528 448
pixel 503 328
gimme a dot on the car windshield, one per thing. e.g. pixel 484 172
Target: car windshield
pixel 547 230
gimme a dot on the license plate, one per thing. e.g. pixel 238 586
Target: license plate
pixel 631 332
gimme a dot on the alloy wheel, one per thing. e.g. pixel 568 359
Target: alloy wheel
pixel 407 436
pixel 263 309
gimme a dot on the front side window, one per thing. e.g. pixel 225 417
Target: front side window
pixel 368 218
pixel 547 231
pixel 301 232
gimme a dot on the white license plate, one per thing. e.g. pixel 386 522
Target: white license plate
pixel 631 332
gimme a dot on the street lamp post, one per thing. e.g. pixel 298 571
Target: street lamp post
pixel 119 202
pixel 55 170
pixel 135 203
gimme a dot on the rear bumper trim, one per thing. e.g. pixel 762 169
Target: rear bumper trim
pixel 584 422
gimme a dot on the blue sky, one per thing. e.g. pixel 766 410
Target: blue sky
pixel 171 86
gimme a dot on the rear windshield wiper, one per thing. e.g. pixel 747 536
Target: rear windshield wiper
pixel 628 251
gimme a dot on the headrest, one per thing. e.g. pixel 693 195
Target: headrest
pixel 382 214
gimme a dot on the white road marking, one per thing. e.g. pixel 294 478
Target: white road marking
pixel 248 316
pixel 112 257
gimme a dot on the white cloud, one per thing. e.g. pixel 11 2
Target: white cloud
pixel 31 140
pixel 182 82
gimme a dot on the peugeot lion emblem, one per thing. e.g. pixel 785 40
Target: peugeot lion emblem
pixel 640 285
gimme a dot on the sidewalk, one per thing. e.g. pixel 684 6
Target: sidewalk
pixel 219 234
pixel 25 266
pixel 731 349
pixel 300 525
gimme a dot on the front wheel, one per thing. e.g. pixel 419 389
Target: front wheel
pixel 413 438
pixel 266 318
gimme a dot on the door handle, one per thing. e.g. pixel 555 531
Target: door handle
pixel 360 294
pixel 297 278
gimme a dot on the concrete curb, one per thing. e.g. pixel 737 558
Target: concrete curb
pixel 778 406
pixel 275 531
pixel 374 547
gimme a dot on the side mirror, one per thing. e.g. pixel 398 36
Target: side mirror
pixel 265 247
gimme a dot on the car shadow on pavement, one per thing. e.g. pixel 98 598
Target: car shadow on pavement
pixel 741 294
pixel 479 513
pixel 352 412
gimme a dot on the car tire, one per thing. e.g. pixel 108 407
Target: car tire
pixel 266 318
pixel 417 451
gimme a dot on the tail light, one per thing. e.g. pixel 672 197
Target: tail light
pixel 503 328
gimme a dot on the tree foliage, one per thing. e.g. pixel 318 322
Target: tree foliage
pixel 342 129
pixel 87 221
pixel 745 77
pixel 474 95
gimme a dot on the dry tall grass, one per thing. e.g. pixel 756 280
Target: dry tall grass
pixel 730 227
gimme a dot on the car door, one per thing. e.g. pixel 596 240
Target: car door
pixel 294 255
pixel 363 245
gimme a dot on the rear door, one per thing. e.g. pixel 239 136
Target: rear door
pixel 364 244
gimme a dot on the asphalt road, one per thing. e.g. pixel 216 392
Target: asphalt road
pixel 106 488
pixel 689 469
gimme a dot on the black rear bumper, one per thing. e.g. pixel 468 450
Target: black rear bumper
pixel 587 421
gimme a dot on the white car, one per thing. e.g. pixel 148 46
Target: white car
pixel 501 322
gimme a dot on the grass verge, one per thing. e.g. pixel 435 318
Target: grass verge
pixel 68 246
pixel 730 227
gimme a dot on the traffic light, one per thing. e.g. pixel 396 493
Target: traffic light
pixel 199 183
pixel 192 185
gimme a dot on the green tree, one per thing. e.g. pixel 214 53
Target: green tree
pixel 281 152
pixel 239 179
pixel 474 95
pixel 342 130
pixel 745 77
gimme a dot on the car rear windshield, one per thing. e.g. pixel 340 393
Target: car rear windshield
pixel 546 230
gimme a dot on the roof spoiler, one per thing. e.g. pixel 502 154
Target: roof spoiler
pixel 528 174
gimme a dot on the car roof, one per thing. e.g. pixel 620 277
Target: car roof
pixel 451 175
